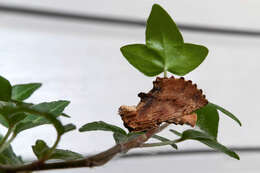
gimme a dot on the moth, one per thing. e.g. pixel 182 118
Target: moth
pixel 171 100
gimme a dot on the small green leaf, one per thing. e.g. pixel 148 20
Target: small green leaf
pixel 23 91
pixel 175 132
pixel 66 155
pixel 120 138
pixel 100 125
pixel 40 149
pixel 10 114
pixel 145 60
pixel 208 120
pixel 3 121
pixel 229 114
pixel 8 157
pixel 69 127
pixel 185 58
pixel 54 108
pixel 161 31
pixel 5 89
pixel 163 139
pixel 207 140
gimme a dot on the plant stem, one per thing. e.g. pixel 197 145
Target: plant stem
pixel 92 161
pixel 3 141
pixel 165 73
pixel 157 144
pixel 46 157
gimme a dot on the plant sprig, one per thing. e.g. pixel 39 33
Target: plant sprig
pixel 164 51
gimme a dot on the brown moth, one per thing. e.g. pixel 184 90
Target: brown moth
pixel 170 100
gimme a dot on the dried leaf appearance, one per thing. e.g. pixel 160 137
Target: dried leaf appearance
pixel 171 100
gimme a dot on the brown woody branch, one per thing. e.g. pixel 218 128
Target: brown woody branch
pixel 92 161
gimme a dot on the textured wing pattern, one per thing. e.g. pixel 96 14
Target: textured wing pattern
pixel 170 100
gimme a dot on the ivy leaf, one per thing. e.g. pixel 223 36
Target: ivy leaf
pixel 40 149
pixel 145 60
pixel 175 132
pixel 161 31
pixel 54 108
pixel 119 138
pixel 10 115
pixel 165 49
pixel 69 127
pixel 163 139
pixel 100 125
pixel 5 89
pixel 229 114
pixel 183 59
pixel 23 91
pixel 8 157
pixel 208 120
pixel 207 140
pixel 4 121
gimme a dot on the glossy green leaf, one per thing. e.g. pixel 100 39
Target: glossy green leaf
pixel 69 127
pixel 23 91
pixel 208 120
pixel 3 121
pixel 55 109
pixel 207 140
pixel 40 149
pixel 175 132
pixel 163 139
pixel 100 125
pixel 5 89
pixel 165 49
pixel 145 60
pixel 229 114
pixel 161 31
pixel 8 157
pixel 183 59
pixel 10 114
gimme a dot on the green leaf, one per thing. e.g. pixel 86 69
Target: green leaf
pixel 145 60
pixel 175 132
pixel 161 31
pixel 10 114
pixel 229 114
pixel 208 120
pixel 3 121
pixel 69 127
pixel 207 140
pixel 100 125
pixel 183 59
pixel 120 138
pixel 23 91
pixel 163 139
pixel 5 89
pixel 40 149
pixel 54 108
pixel 8 157
pixel 165 49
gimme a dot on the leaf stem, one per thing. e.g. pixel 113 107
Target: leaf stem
pixel 3 141
pixel 46 157
pixel 157 144
pixel 165 73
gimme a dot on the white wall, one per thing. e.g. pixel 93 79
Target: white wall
pixel 81 62
pixel 231 13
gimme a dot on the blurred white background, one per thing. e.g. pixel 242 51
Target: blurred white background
pixel 81 62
